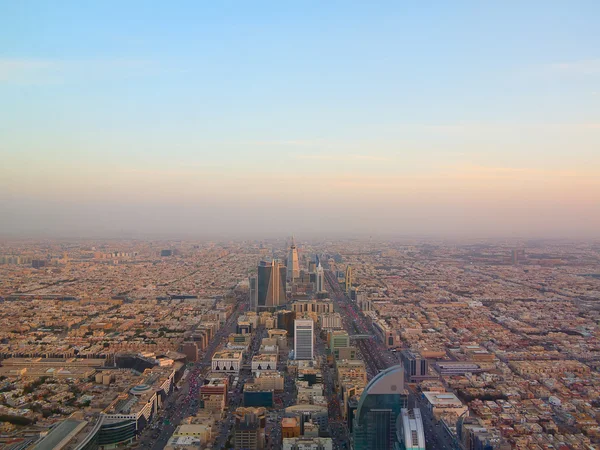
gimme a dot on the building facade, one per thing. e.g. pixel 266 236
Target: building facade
pixel 376 416
pixel 270 285
pixel 303 339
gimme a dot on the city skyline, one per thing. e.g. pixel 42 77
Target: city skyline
pixel 347 118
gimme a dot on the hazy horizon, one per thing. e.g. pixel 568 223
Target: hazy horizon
pixel 458 120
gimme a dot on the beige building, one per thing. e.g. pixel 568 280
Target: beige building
pixel 270 381
pixel 249 428
pixel 444 403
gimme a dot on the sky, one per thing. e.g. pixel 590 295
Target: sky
pixel 145 118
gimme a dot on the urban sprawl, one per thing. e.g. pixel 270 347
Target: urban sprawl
pixel 299 345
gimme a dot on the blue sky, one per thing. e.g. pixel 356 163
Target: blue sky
pixel 382 106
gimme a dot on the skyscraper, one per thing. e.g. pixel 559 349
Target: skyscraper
pixel 376 417
pixel 253 290
pixel 320 282
pixel 270 285
pixel 416 367
pixel 249 429
pixel 293 266
pixel 303 338
pixel 349 279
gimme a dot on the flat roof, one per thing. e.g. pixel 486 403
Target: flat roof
pixel 59 433
pixel 448 398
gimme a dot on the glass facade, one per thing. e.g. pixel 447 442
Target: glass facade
pixel 378 410
pixel 115 433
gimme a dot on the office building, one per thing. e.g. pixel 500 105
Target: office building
pixel 303 338
pixel 337 340
pixel 320 279
pixel 257 396
pixel 416 367
pixel 517 256
pixel 376 416
pixel 271 285
pixel 213 395
pixel 285 321
pixel 313 306
pixel 315 413
pixel 264 362
pixel 253 292
pixel 444 403
pixel 410 430
pixel 226 361
pixel 293 266
pixel 349 279
pixel 330 321
pixel 249 428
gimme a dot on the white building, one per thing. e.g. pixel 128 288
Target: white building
pixel 410 430
pixel 303 339
pixel 227 362
pixel 331 321
pixel 444 402
pixel 264 362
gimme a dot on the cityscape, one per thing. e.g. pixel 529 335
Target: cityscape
pixel 296 344
pixel 276 225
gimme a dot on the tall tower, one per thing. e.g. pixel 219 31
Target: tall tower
pixel 270 286
pixel 253 290
pixel 293 267
pixel 376 417
pixel 303 338
pixel 320 279
pixel 349 279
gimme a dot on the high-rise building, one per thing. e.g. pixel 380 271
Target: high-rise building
pixel 410 430
pixel 320 281
pixel 249 429
pixel 270 285
pixel 415 366
pixel 285 321
pixel 376 416
pixel 349 280
pixel 253 291
pixel 293 266
pixel 517 255
pixel 303 338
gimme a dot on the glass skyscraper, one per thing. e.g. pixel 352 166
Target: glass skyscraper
pixel 270 285
pixel 376 417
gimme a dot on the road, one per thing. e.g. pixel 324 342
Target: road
pixel 184 403
pixel 377 358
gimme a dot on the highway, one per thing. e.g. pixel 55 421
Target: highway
pixel 184 403
pixel 377 358
pixel 373 352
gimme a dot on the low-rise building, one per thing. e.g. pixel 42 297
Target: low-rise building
pixel 227 362
pixel 444 403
